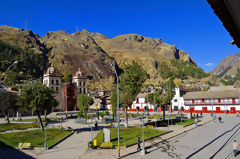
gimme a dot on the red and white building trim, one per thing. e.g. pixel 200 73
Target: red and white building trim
pixel 140 104
pixel 212 101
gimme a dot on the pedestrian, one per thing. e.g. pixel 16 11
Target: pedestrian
pixel 96 126
pixel 219 119
pixel 197 115
pixel 227 111
pixel 138 144
pixel 235 150
pixel 196 122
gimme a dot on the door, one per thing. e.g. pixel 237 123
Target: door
pixel 175 108
pixel 204 109
pixel 233 110
pixel 191 110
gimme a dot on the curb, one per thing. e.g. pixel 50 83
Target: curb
pixel 61 140
pixel 149 139
pixel 186 131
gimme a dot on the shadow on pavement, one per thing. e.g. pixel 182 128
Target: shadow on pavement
pixel 8 152
pixel 88 129
pixel 130 154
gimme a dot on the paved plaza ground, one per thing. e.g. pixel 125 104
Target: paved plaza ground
pixel 210 138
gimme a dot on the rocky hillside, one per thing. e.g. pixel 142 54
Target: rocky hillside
pixel 92 52
pixel 71 51
pixel 22 38
pixel 228 66
pixel 150 53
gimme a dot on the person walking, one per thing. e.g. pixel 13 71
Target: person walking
pixel 220 119
pixel 138 144
pixel 196 122
pixel 235 145
pixel 96 126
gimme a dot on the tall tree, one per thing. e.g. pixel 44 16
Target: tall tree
pixel 8 100
pixel 131 82
pixel 162 96
pixel 83 102
pixel 114 103
pixel 37 97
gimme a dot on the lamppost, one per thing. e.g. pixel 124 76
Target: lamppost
pixel 45 143
pixel 14 63
pixel 118 118
pixel 143 152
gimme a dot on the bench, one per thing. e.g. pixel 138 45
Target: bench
pixel 106 145
pixel 24 145
pixel 150 126
pixel 16 127
pixel 138 125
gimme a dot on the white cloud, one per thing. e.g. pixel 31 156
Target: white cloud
pixel 209 64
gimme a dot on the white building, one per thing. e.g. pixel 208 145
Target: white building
pixel 178 101
pixel 219 101
pixel 51 78
pixel 140 104
pixel 80 82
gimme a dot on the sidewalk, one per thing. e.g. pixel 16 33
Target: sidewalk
pixel 112 153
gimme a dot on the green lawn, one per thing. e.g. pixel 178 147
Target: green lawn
pixel 128 136
pixel 156 116
pixel 36 119
pixel 176 121
pixel 11 126
pixel 186 122
pixel 35 137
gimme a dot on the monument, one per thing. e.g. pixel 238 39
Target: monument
pixel 106 135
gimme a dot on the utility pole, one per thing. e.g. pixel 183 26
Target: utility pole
pixel 45 143
pixel 118 118
pixel 143 152
pixel 25 25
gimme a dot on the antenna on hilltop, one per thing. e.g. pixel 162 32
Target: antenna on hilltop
pixel 77 29
pixel 25 25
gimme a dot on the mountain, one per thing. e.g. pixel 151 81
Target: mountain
pixel 93 52
pixel 154 55
pixel 22 38
pixel 78 50
pixel 228 66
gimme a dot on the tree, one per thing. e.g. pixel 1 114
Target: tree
pixel 37 97
pixel 131 82
pixel 162 96
pixel 114 103
pixel 67 77
pixel 83 102
pixel 8 100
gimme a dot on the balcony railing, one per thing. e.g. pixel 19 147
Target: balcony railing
pixel 211 102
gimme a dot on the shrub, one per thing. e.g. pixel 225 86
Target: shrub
pixel 101 114
pixel 80 114
pixel 107 113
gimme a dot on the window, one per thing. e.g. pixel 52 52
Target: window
pixel 84 91
pixel 175 100
pixel 52 88
pixel 219 100
pixel 80 91
pixel 56 82
pixel 137 100
pixel 80 83
pixel 83 83
pixel 233 101
pixel 203 100
pixel 52 81
pixel 57 90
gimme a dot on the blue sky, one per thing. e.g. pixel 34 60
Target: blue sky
pixel 190 24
